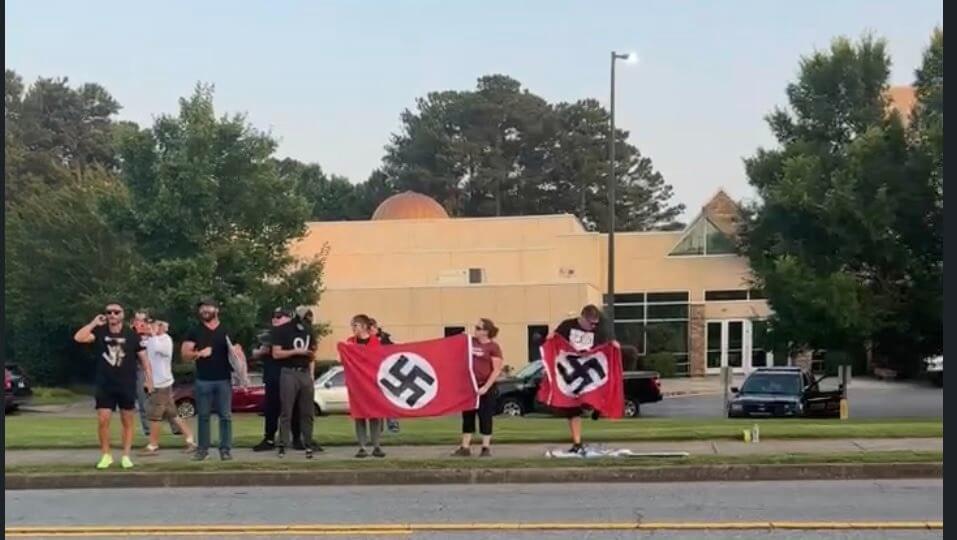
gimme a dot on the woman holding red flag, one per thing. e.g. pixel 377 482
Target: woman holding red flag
pixel 487 364
pixel 367 430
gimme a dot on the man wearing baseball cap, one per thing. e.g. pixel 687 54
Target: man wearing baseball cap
pixel 273 406
pixel 208 345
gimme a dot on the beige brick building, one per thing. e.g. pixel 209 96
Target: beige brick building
pixel 423 275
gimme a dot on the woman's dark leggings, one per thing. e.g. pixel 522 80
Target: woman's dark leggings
pixel 485 413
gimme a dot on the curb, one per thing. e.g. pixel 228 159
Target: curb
pixel 368 477
pixel 688 393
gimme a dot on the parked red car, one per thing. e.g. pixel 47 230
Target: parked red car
pixel 249 399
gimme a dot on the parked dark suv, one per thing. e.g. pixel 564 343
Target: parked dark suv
pixel 516 394
pixel 783 392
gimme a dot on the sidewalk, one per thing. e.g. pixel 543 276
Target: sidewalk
pixel 719 447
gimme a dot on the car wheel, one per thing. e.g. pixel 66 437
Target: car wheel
pixel 632 409
pixel 186 408
pixel 938 380
pixel 512 407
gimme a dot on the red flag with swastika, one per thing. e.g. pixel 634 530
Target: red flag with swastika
pixel 408 380
pixel 582 378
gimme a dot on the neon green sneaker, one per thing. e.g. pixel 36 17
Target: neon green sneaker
pixel 105 462
pixel 126 462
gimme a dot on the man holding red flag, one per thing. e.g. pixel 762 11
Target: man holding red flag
pixel 582 367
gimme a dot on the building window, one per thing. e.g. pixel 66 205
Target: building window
pixel 454 330
pixel 476 275
pixel 631 333
pixel 703 238
pixel 655 322
pixel 718 296
pixel 659 297
pixel 630 298
pixel 757 294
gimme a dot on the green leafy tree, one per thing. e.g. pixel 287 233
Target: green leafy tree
pixel 63 260
pixel 828 242
pixel 575 172
pixel 211 215
pixel 501 150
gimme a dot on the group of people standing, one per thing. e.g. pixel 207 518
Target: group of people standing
pixel 134 364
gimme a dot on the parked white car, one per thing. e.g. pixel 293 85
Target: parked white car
pixel 331 395
pixel 935 369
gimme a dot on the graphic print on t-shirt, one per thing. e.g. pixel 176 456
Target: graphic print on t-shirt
pixel 115 352
pixel 581 340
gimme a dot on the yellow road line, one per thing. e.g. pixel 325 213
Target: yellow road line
pixel 402 529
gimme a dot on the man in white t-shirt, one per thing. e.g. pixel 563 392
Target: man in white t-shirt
pixel 159 350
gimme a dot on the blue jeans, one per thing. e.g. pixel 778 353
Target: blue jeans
pixel 210 394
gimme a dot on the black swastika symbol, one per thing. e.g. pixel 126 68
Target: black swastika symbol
pixel 407 381
pixel 580 373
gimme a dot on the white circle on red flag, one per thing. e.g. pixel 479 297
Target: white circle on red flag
pixel 407 380
pixel 578 374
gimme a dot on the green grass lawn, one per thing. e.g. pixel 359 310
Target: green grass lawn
pixel 42 431
pixel 495 463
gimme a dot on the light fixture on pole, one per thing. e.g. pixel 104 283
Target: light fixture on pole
pixel 630 58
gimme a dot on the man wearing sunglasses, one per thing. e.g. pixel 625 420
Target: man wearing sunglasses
pixel 117 350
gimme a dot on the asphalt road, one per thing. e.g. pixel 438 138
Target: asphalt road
pixel 898 500
pixel 899 400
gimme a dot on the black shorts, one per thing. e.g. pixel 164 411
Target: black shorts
pixel 567 412
pixel 113 398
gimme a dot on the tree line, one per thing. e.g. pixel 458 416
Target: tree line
pixel 847 237
pixel 199 203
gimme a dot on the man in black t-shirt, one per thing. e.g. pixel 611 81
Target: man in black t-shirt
pixel 584 332
pixel 117 351
pixel 209 346
pixel 272 406
pixel 293 348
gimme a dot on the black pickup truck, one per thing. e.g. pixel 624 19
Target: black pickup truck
pixel 783 392
pixel 516 395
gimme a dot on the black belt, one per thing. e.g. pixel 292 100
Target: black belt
pixel 297 368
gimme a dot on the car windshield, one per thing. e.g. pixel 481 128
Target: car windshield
pixel 530 370
pixel 773 383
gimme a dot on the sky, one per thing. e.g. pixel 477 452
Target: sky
pixel 329 79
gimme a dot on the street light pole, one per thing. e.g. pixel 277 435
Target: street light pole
pixel 612 183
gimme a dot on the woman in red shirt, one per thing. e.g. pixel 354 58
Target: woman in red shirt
pixel 487 363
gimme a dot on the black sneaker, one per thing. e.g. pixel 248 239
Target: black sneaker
pixel 377 452
pixel 297 445
pixel 486 452
pixel 225 455
pixel 281 452
pixel 264 446
pixel 462 452
pixel 362 453
pixel 200 456
pixel 308 453
pixel 577 449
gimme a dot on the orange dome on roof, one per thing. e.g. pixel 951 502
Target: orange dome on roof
pixel 409 205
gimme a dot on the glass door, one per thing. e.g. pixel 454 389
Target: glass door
pixel 728 344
